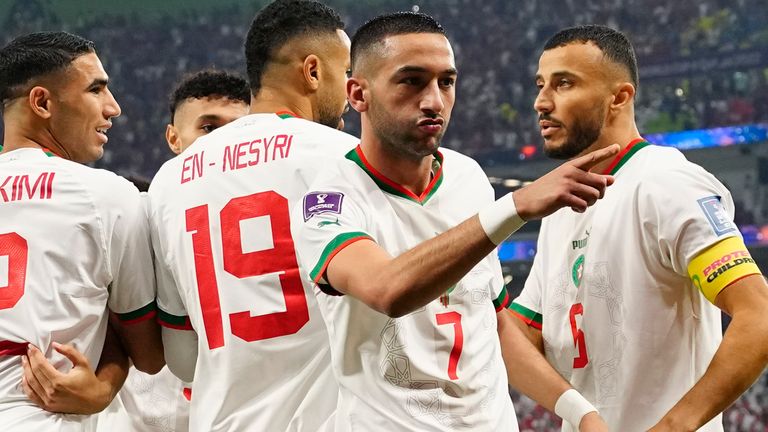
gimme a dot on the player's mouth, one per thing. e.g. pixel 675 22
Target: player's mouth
pixel 101 131
pixel 431 126
pixel 548 128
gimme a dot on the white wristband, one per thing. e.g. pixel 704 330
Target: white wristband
pixel 571 407
pixel 500 219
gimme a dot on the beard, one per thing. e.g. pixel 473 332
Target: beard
pixel 400 138
pixel 583 133
pixel 329 114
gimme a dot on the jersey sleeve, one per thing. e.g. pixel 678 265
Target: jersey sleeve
pixel 527 306
pixel 329 218
pixel 690 214
pixel 499 293
pixel 171 312
pixel 126 225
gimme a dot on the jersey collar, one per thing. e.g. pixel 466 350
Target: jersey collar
pixel 356 155
pixel 287 114
pixel 634 146
pixel 44 149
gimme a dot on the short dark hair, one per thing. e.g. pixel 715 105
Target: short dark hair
pixel 278 23
pixel 37 54
pixel 613 43
pixel 209 83
pixel 393 24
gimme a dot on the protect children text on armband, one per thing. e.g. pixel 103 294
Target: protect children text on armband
pixel 720 265
pixel 571 406
pixel 500 219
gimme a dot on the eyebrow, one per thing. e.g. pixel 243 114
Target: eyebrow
pixel 558 74
pixel 99 82
pixel 419 69
pixel 209 117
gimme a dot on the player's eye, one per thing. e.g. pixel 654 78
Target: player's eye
pixel 447 82
pixel 208 128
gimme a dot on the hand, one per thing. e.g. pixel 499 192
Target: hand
pixel 78 391
pixel 592 422
pixel 569 185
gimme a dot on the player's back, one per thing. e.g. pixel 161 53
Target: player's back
pixel 221 211
pixel 56 263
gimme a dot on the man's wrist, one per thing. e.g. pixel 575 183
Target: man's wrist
pixel 500 219
pixel 571 406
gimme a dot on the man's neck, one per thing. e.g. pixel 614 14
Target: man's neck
pixel 274 100
pixel 413 175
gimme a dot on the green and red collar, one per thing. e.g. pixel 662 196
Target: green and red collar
pixel 287 114
pixel 44 149
pixel 387 185
pixel 633 147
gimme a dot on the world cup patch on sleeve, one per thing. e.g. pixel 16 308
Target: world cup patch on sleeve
pixel 716 215
pixel 316 203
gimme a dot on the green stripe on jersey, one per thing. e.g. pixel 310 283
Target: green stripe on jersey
pixel 527 313
pixel 130 316
pixel 502 298
pixel 175 320
pixel 333 247
pixel 635 148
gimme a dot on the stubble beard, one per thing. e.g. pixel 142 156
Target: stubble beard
pixel 583 134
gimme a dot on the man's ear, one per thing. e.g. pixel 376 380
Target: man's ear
pixel 624 94
pixel 357 94
pixel 312 72
pixel 173 139
pixel 40 101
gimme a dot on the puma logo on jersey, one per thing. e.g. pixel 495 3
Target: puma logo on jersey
pixel 324 223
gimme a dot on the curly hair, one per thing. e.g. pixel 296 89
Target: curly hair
pixel 209 83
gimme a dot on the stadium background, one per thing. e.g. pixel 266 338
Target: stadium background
pixel 703 74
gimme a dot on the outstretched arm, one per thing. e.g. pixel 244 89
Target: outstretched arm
pixel 399 285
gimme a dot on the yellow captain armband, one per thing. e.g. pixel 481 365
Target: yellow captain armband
pixel 720 265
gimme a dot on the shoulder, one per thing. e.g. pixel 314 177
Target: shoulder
pixel 459 161
pixel 664 169
pixel 109 189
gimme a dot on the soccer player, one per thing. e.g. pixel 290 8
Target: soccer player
pixel 73 240
pixel 237 316
pixel 201 103
pixel 413 299
pixel 625 296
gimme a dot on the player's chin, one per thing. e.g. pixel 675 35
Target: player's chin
pixel 96 152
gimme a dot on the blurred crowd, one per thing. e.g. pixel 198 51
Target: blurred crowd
pixel 493 120
pixel 496 43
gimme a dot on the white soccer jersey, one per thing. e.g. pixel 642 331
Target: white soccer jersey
pixel 610 289
pixel 73 240
pixel 438 368
pixel 221 215
pixel 148 403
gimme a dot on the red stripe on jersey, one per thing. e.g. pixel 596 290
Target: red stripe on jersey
pixel 137 320
pixel 526 320
pixel 324 267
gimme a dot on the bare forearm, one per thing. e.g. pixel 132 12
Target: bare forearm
pixel 142 342
pixel 738 362
pixel 527 369
pixel 404 284
pixel 113 365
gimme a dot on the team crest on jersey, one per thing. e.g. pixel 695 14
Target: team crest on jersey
pixel 716 215
pixel 316 203
pixel 577 272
